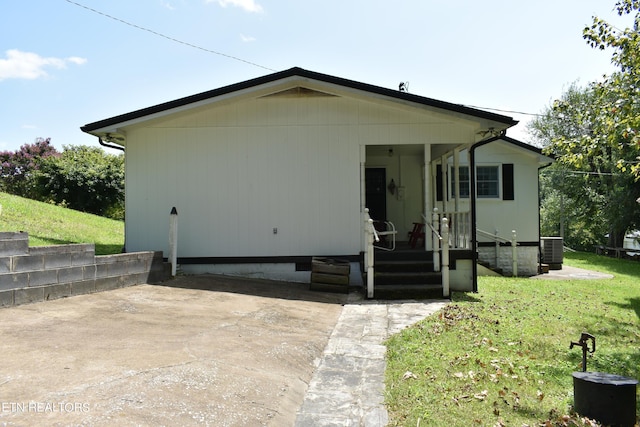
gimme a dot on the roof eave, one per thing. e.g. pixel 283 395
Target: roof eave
pixel 111 124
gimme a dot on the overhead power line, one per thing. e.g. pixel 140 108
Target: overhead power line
pixel 155 33
pixel 505 111
pixel 235 58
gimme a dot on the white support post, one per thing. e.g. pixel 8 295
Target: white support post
pixel 365 234
pixel 514 253
pixel 427 190
pixel 496 239
pixel 445 174
pixel 173 240
pixel 445 257
pixel 456 174
pixel 370 271
pixel 363 206
pixel 435 221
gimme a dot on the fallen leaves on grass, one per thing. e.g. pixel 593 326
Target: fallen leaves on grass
pixel 482 395
pixel 409 375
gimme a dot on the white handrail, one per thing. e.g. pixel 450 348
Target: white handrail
pixel 459 229
pixel 445 257
pixel 436 238
pixel 493 236
pixel 433 230
pixel 391 231
pixel 514 247
pixel 440 244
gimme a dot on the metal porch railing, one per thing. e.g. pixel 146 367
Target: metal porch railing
pixel 498 239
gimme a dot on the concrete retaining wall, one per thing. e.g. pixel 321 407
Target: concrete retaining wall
pixel 527 259
pixel 49 272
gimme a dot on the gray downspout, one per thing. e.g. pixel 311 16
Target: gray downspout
pixel 116 147
pixel 540 220
pixel 472 191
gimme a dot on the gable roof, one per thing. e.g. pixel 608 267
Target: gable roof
pixel 302 73
pixel 542 158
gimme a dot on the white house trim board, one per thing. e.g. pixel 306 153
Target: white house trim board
pixel 286 79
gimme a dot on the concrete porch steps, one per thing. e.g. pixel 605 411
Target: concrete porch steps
pixel 406 274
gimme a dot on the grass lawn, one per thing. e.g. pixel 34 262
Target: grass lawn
pixel 53 225
pixel 501 357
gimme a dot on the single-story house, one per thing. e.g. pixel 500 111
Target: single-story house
pixel 267 173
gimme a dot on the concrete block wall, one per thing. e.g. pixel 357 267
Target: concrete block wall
pixel 49 272
pixel 527 259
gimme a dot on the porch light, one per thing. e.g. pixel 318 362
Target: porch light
pixel 392 187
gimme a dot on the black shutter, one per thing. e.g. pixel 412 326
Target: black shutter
pixel 508 192
pixel 439 183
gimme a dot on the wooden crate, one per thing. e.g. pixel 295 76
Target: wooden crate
pixel 330 274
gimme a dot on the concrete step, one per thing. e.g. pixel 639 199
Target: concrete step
pixel 400 255
pixel 404 266
pixel 412 278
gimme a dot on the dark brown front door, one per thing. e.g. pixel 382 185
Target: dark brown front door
pixel 376 193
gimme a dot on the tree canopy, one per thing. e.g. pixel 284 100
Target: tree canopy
pixel 86 179
pixel 594 134
pixel 18 168
pixel 80 177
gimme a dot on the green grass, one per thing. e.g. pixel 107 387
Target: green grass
pixel 501 356
pixel 53 225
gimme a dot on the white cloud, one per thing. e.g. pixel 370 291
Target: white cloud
pixel 247 39
pixel 248 5
pixel 77 60
pixel 28 65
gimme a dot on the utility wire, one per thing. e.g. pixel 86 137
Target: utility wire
pixel 574 172
pixel 505 111
pixel 155 33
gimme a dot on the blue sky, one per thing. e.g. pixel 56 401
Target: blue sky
pixel 63 66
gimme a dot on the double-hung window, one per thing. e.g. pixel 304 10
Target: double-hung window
pixel 463 173
pixel 488 182
pixel 492 182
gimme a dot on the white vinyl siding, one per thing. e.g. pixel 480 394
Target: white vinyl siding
pixel 237 171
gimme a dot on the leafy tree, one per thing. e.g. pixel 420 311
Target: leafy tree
pixel 594 133
pixel 617 111
pixel 18 169
pixel 86 179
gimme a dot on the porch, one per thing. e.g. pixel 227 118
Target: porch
pixel 400 183
pixel 405 269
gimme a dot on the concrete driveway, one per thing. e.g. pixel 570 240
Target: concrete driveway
pixel 202 350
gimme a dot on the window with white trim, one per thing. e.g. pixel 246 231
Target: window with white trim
pixel 487 182
pixel 492 182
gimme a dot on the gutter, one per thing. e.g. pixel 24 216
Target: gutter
pixel 115 147
pixel 474 227
pixel 540 220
